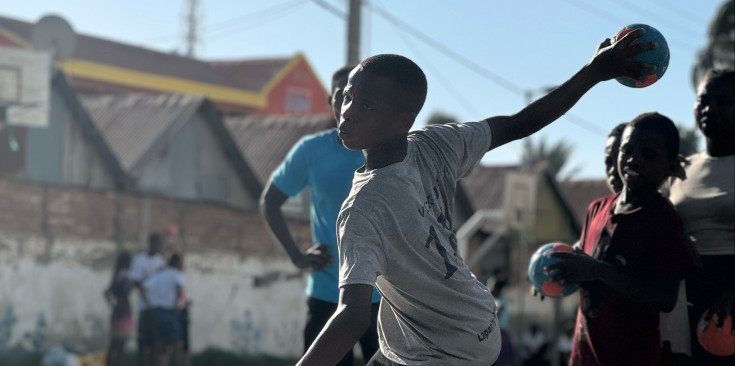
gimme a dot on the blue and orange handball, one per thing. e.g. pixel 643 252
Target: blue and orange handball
pixel 717 341
pixel 658 56
pixel 542 281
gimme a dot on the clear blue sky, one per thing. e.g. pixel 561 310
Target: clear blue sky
pixel 531 44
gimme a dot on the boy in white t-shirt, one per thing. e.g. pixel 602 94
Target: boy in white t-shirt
pixel 144 264
pixel 162 293
pixel 395 228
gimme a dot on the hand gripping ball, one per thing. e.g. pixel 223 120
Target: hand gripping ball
pixel 541 280
pixel 717 342
pixel 658 56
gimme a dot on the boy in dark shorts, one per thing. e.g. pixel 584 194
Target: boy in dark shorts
pixel 395 228
pixel 632 254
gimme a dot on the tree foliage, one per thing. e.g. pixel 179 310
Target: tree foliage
pixel 720 50
pixel 438 118
pixel 555 154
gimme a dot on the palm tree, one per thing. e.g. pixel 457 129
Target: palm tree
pixel 556 155
pixel 720 51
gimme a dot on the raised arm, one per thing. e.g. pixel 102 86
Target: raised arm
pixel 271 201
pixel 344 328
pixel 611 60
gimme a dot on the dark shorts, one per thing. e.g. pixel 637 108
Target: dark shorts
pixel 146 329
pixel 167 326
pixel 185 327
pixel 318 314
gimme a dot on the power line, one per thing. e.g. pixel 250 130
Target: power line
pixel 581 122
pixel 331 8
pixel 281 12
pixel 236 21
pixel 500 81
pixel 683 14
pixel 609 17
pixel 435 71
pixel 508 85
pixel 681 29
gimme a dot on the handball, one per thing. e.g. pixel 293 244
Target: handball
pixel 542 281
pixel 719 342
pixel 658 56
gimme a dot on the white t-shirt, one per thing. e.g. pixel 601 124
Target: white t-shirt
pixel 396 233
pixel 143 266
pixel 706 203
pixel 160 288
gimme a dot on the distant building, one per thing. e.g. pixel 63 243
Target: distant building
pixel 174 146
pixel 286 85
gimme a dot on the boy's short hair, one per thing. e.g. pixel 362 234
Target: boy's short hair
pixel 175 260
pixel 663 126
pixel 726 77
pixel 617 132
pixel 408 80
pixel 155 239
pixel 343 72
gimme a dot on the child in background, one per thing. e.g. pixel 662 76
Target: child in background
pixel 632 254
pixel 121 320
pixel 612 147
pixel 162 292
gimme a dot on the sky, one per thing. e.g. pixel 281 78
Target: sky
pixel 480 57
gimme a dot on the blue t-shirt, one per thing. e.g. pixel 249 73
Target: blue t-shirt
pixel 320 162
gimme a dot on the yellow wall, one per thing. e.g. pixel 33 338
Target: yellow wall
pixel 553 223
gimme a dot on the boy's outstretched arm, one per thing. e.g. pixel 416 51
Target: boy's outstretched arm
pixel 611 60
pixel 344 328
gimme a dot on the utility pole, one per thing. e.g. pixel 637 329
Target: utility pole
pixel 353 32
pixel 191 18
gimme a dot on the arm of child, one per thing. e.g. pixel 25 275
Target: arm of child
pixel 661 292
pixel 316 257
pixel 611 60
pixel 344 329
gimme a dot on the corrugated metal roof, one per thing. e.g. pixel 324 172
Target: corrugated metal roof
pixel 265 140
pixel 581 193
pixel 134 124
pixel 250 74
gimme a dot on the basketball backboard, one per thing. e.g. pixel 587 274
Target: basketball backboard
pixel 25 87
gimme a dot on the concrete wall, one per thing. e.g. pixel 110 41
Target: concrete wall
pixel 52 293
pixel 58 245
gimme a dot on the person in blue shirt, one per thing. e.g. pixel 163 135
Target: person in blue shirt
pixel 319 162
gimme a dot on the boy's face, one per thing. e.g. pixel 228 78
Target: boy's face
pixel 367 118
pixel 612 146
pixel 642 161
pixel 714 109
pixel 335 99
